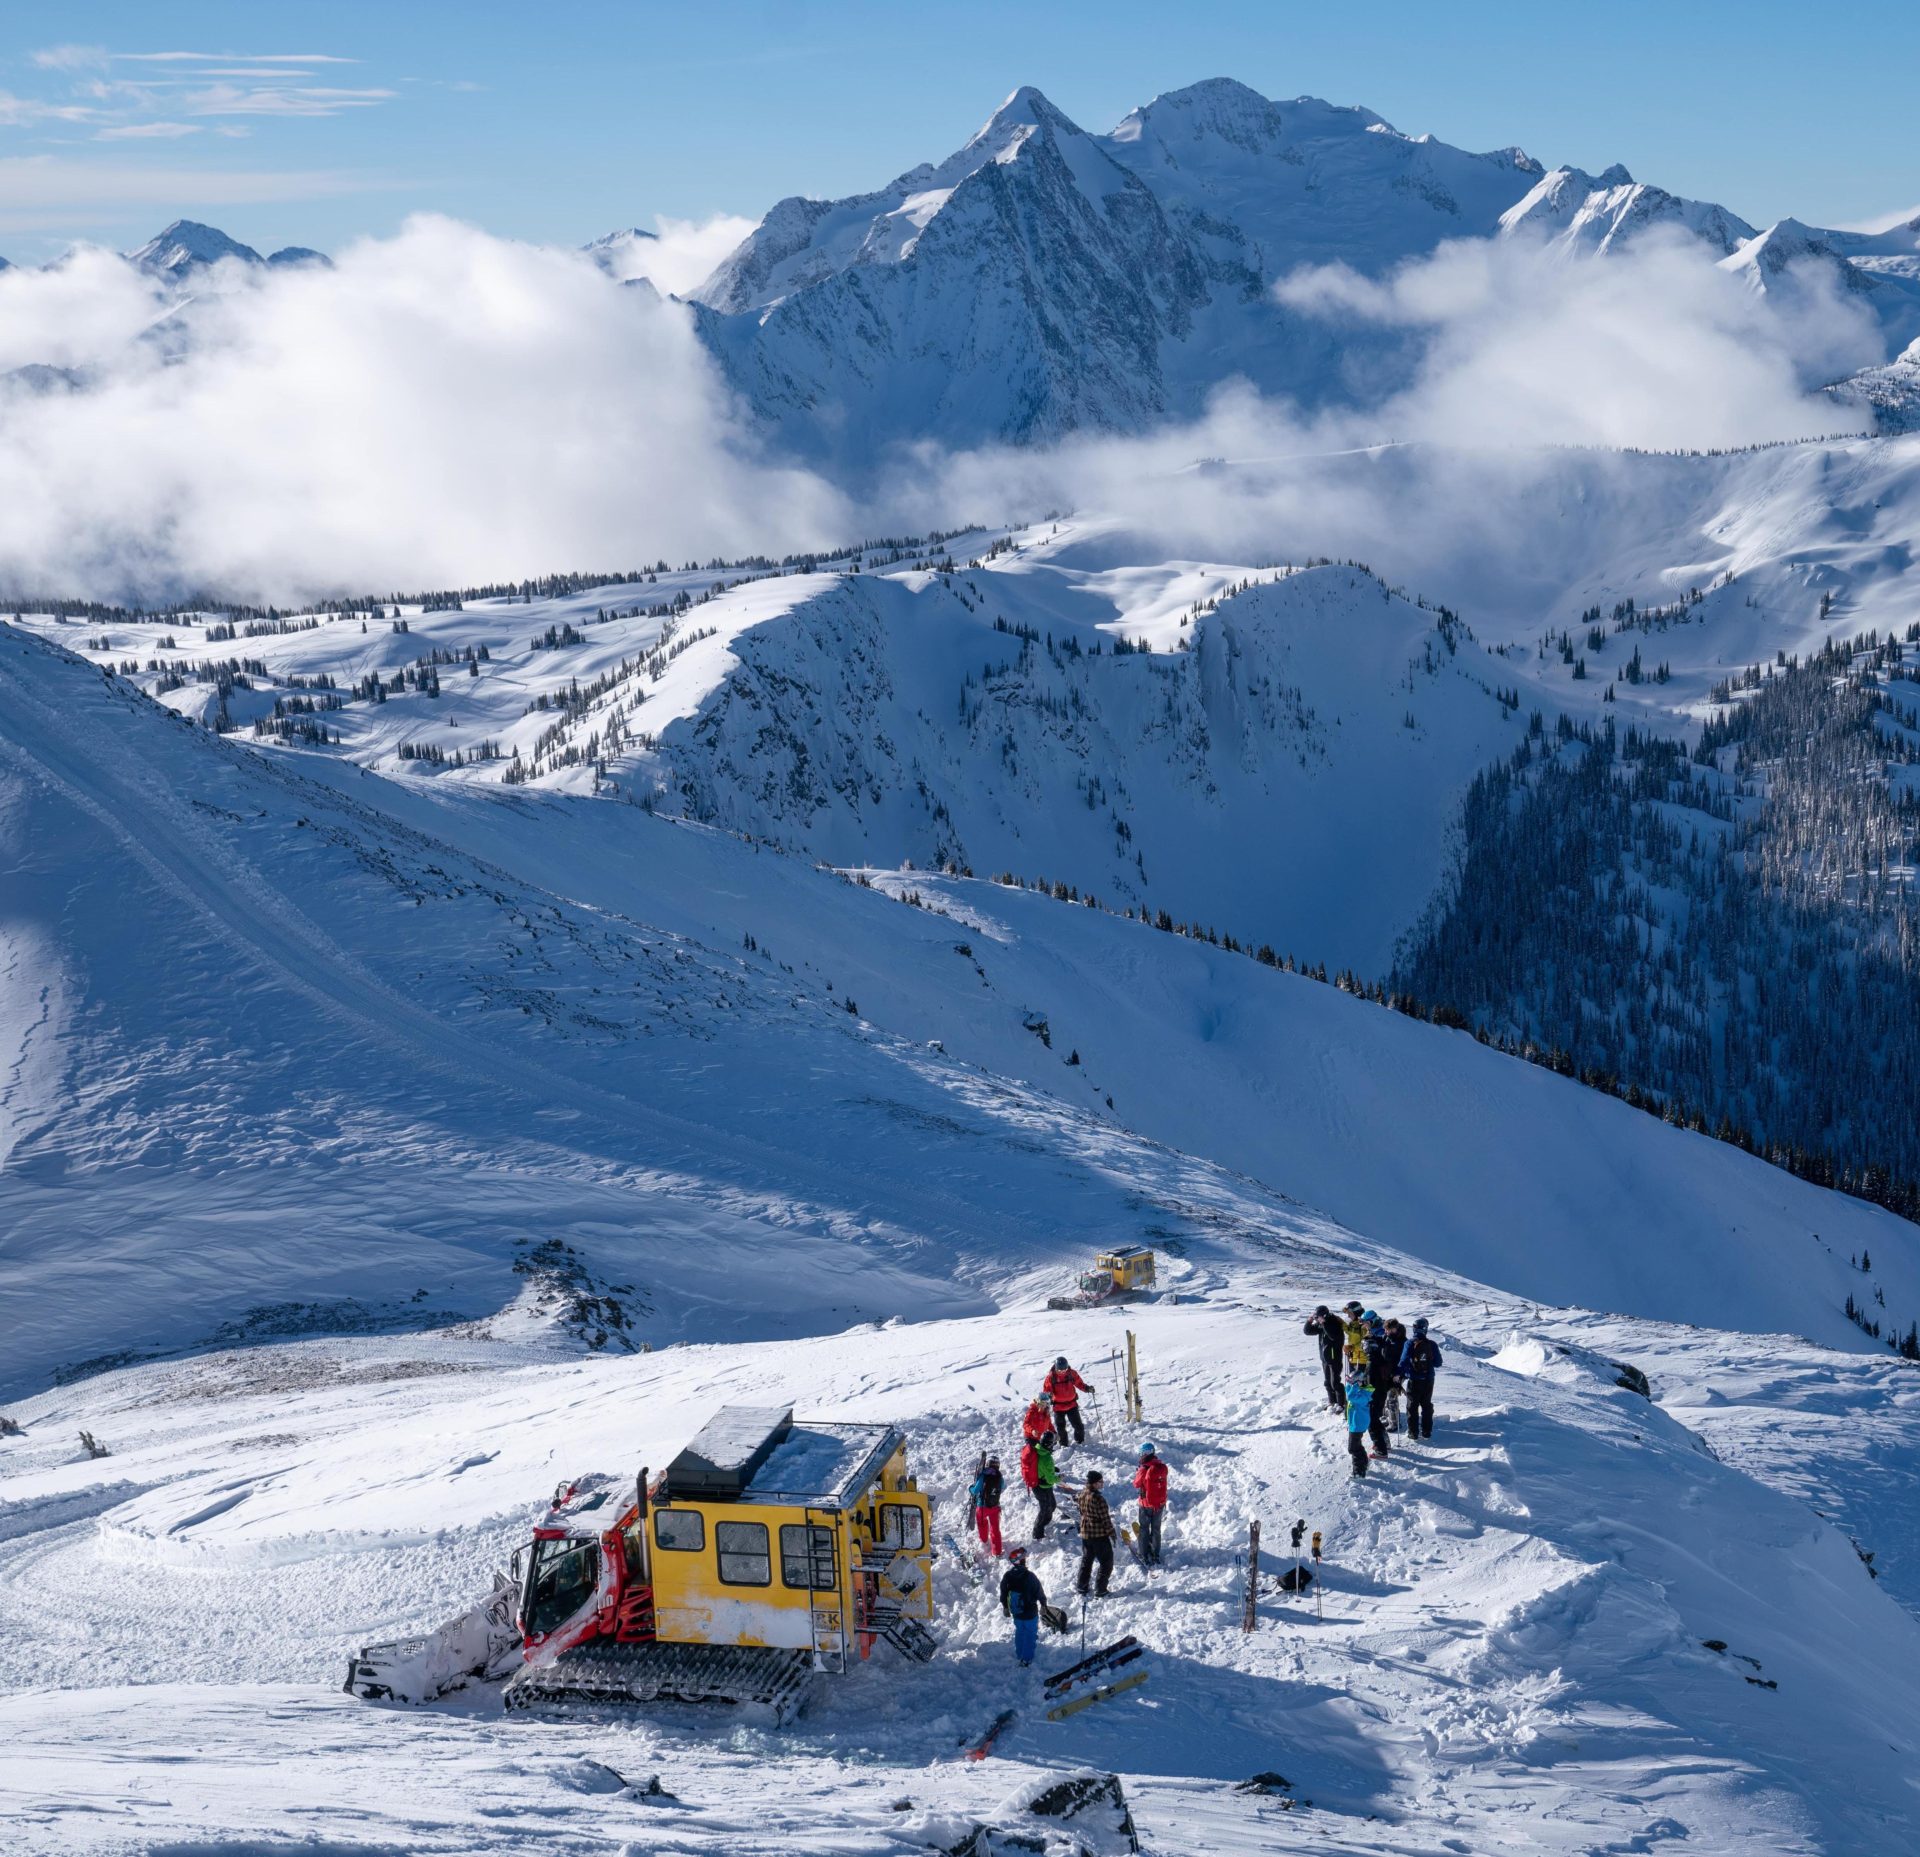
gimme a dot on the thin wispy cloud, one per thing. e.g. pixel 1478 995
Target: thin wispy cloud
pixel 20 112
pixel 70 57
pixel 247 58
pixel 132 96
pixel 279 100
pixel 148 132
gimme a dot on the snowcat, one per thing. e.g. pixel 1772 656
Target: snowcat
pixel 1116 1275
pixel 768 1551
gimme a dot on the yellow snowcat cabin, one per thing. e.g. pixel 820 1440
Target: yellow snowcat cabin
pixel 768 1550
pixel 1121 1274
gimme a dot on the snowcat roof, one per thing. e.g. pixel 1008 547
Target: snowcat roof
pixel 758 1454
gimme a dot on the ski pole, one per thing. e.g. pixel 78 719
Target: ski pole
pixel 1299 1529
pixel 1319 1585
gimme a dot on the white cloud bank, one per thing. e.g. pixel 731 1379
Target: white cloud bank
pixel 439 408
pixel 445 407
pixel 1514 376
pixel 682 253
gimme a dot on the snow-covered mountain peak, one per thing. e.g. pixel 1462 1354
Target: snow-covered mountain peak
pixel 1218 108
pixel 1782 243
pixel 1002 134
pixel 187 245
pixel 622 254
pixel 1595 213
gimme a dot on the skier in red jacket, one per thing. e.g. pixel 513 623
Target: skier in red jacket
pixel 1064 1387
pixel 1151 1481
pixel 1038 1423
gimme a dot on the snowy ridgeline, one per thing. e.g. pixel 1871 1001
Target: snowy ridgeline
pixel 1294 762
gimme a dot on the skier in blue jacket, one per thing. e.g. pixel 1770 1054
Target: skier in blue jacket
pixel 1359 1415
pixel 1418 1365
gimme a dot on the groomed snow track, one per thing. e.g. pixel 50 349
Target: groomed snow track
pixel 757 1675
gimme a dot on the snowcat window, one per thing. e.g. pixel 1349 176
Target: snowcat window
pixel 746 1556
pixel 902 1526
pixel 564 1576
pixel 682 1531
pixel 807 1558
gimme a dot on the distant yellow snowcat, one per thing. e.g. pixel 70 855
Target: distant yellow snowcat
pixel 768 1551
pixel 1115 1276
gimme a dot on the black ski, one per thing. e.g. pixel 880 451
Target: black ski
pixel 1073 1672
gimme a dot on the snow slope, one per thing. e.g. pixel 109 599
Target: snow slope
pixel 261 1010
pixel 1514 1649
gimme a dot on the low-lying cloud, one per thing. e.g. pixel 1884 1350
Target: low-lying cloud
pixel 439 408
pixel 681 254
pixel 1653 347
pixel 1493 458
pixel 445 408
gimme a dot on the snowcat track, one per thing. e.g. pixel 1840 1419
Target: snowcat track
pixel 643 1673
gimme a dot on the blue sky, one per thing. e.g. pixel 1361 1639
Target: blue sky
pixel 301 124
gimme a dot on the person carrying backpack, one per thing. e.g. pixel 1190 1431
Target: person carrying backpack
pixel 1419 1364
pixel 1037 1472
pixel 1332 1336
pixel 1359 1416
pixel 1150 1480
pixel 1353 1330
pixel 1096 1534
pixel 1038 1422
pixel 1021 1597
pixel 1064 1387
pixel 985 1500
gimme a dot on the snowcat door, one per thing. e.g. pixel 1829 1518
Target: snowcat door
pixel 562 1592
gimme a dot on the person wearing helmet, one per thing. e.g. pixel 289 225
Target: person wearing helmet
pixel 1064 1387
pixel 1354 1332
pixel 1359 1403
pixel 1038 1422
pixel 1021 1597
pixel 1418 1365
pixel 1150 1481
pixel 1383 1369
pixel 1037 1472
pixel 988 1485
pixel 1331 1333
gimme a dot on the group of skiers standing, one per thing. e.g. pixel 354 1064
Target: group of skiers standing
pixel 1370 1365
pixel 1053 1415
